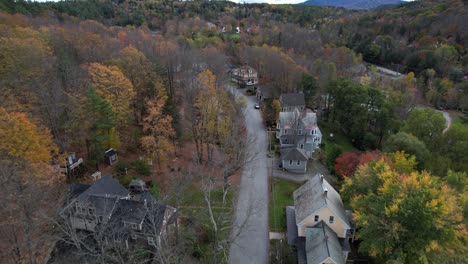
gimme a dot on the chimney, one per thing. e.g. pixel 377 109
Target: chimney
pixel 321 178
pixel 325 191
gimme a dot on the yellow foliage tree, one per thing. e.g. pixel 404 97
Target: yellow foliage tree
pixel 112 85
pixel 22 139
pixel 213 115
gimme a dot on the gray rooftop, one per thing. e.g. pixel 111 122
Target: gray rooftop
pixel 321 244
pixel 297 120
pixel 106 186
pixel 291 225
pixel 293 154
pixel 292 99
pixel 310 197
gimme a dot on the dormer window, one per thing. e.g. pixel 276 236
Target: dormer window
pixel 299 132
pixel 331 219
pixel 316 218
pixel 298 163
pixel 290 162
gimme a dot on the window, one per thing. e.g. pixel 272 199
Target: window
pixel 278 126
pixel 316 218
pixel 302 146
pixel 298 163
pixel 331 219
pixel 299 132
pixel 134 226
pixel 101 219
pixel 286 131
pixel 151 241
pixel 290 162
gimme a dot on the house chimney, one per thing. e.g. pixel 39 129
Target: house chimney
pixel 321 178
pixel 325 191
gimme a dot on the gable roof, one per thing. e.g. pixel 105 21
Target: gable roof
pixel 310 197
pixel 292 99
pixel 293 154
pixel 293 119
pixel 322 243
pixel 107 187
pixel 131 211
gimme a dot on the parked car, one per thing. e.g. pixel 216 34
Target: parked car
pixel 256 106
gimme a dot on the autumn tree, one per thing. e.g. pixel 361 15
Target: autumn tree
pixel 29 183
pixel 410 144
pixel 112 85
pixel 402 216
pixel 158 126
pixel 213 120
pixel 22 139
pixel 347 163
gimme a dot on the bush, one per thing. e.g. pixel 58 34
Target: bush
pixel 126 179
pixel 141 168
pixel 120 168
pixel 154 190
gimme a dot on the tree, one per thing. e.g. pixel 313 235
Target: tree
pixel 22 139
pixel 101 126
pixel 158 126
pixel 454 146
pixel 347 163
pixel 111 84
pixel 408 143
pixel 213 115
pixel 427 125
pixel 402 217
pixel 308 85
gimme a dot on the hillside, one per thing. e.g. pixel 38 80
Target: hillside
pixel 353 4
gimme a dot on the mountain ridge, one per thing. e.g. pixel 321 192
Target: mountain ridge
pixel 353 4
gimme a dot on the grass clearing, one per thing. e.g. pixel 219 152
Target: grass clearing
pixel 339 139
pixel 281 196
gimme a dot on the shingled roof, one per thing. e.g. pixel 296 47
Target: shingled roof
pixel 292 99
pixel 310 197
pixel 293 154
pixel 106 186
pixel 322 244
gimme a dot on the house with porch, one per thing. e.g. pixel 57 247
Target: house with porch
pixel 132 214
pixel 319 213
pixel 245 75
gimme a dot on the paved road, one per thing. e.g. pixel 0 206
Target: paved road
pixel 250 232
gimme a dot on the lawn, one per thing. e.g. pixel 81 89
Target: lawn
pixel 281 196
pixel 339 139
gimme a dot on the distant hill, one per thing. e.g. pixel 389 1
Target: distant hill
pixel 353 4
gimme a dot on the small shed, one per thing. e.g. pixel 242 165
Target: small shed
pixel 110 157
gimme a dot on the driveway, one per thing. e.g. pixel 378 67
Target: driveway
pixel 250 230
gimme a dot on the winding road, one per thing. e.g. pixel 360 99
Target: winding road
pixel 250 231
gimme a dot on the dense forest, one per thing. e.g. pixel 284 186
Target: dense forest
pixel 147 78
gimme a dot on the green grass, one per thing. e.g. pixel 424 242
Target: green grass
pixel 339 139
pixel 281 196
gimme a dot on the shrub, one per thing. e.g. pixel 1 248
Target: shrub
pixel 120 168
pixel 141 168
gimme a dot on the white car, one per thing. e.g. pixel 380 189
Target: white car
pixel 256 106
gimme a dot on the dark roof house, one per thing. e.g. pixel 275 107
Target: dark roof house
pixel 290 101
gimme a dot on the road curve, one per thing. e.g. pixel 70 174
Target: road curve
pixel 250 231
